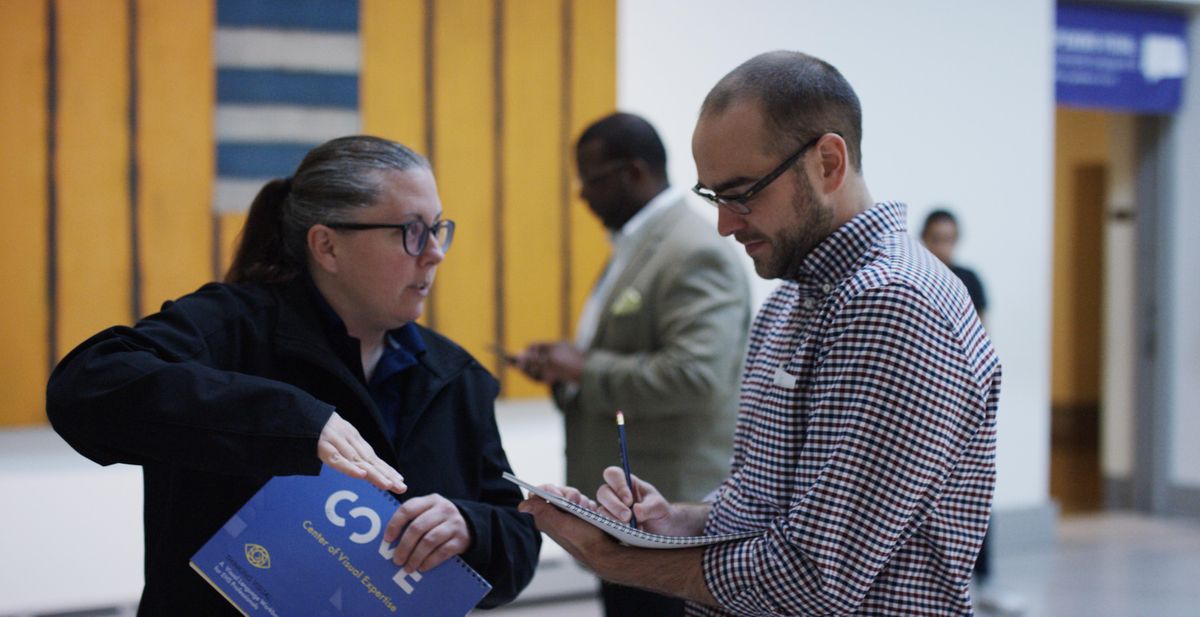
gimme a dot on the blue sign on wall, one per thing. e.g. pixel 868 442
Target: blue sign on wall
pixel 1118 59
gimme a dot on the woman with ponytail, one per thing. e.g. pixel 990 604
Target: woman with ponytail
pixel 307 354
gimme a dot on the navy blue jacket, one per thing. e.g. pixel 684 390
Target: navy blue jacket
pixel 231 385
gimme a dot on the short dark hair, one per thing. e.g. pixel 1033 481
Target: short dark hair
pixel 939 214
pixel 628 137
pixel 802 97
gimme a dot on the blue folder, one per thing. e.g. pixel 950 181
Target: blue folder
pixel 313 545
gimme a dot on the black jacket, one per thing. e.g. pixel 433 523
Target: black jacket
pixel 231 385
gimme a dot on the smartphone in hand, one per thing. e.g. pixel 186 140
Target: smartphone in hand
pixel 504 356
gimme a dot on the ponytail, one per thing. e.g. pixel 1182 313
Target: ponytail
pixel 334 178
pixel 261 256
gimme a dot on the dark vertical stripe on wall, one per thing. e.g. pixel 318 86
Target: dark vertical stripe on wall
pixel 217 243
pixel 52 181
pixel 430 141
pixel 430 13
pixel 498 174
pixel 564 131
pixel 135 257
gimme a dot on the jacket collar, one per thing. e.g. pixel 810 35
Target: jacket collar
pixel 647 240
pixel 301 334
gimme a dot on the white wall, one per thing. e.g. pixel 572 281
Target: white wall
pixel 958 109
pixel 1181 340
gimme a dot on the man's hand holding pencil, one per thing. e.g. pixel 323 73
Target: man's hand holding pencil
pixel 652 510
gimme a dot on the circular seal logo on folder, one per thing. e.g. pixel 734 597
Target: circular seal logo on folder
pixel 258 556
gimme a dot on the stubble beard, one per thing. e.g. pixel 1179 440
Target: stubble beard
pixel 793 245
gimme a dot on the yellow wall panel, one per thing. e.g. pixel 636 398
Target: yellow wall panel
pixel 593 76
pixel 175 93
pixel 23 259
pixel 392 78
pixel 531 164
pixel 464 139
pixel 495 100
pixel 94 252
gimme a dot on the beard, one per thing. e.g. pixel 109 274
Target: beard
pixel 793 244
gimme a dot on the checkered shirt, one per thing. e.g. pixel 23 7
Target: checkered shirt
pixel 865 446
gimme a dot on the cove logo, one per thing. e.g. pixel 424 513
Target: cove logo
pixel 363 537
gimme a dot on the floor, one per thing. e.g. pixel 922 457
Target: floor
pixel 1105 565
pixel 1111 565
pixel 586 607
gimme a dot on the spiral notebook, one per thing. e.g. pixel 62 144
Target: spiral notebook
pixel 622 531
pixel 313 545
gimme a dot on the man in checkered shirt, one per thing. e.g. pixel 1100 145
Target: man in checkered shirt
pixel 865 448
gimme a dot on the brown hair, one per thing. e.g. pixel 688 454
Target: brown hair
pixel 802 97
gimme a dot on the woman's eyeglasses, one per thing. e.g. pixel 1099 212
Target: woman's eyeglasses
pixel 416 233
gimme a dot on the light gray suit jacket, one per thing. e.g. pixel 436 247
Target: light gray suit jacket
pixel 668 352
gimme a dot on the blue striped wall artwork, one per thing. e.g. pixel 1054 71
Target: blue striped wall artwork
pixel 287 80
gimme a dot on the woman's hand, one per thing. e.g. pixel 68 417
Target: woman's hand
pixel 431 530
pixel 341 447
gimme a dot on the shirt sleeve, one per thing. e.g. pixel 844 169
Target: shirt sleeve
pixel 170 389
pixel 891 407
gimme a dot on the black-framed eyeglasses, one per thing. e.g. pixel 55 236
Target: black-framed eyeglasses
pixel 738 203
pixel 416 233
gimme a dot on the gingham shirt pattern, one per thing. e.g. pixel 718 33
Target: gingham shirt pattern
pixel 865 446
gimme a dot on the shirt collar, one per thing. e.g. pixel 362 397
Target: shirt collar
pixel 408 338
pixel 403 346
pixel 835 257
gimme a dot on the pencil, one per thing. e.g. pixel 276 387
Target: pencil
pixel 625 465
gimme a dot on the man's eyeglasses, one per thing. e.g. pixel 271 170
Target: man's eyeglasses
pixel 416 233
pixel 737 203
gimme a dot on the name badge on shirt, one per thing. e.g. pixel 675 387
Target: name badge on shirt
pixel 783 379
